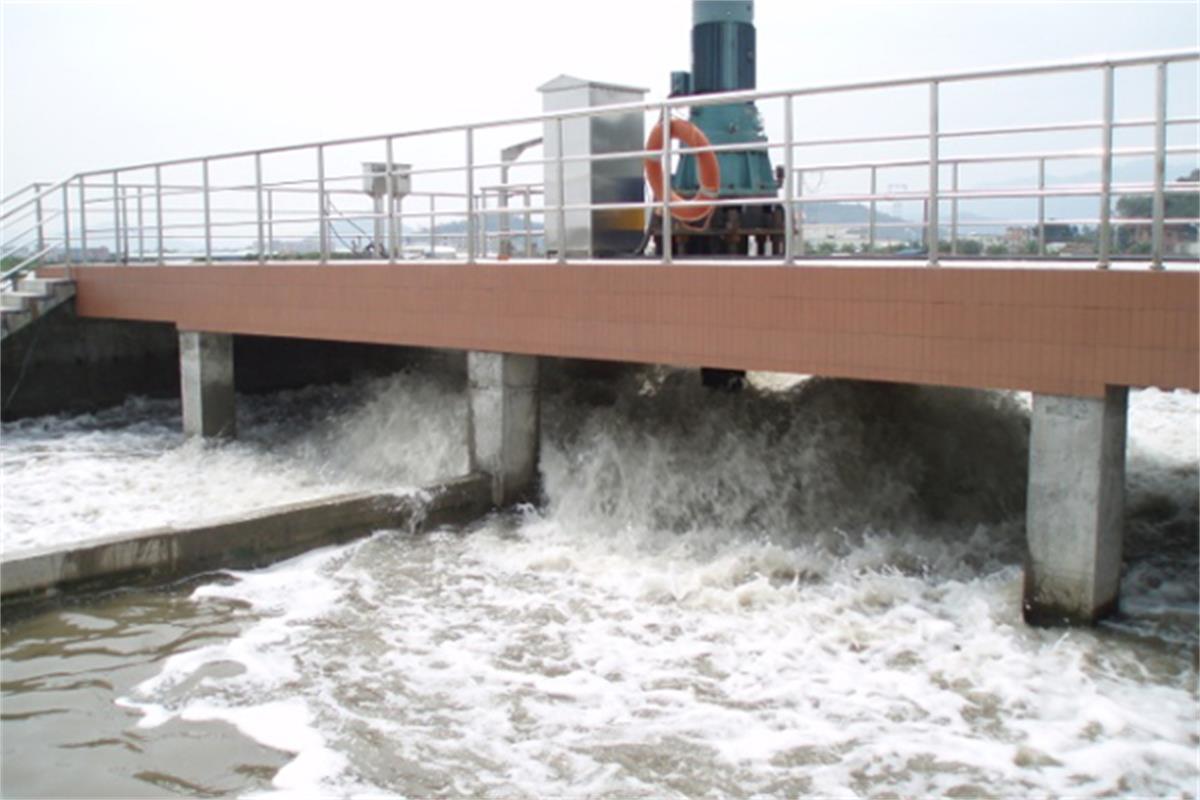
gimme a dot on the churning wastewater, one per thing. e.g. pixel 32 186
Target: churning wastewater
pixel 804 588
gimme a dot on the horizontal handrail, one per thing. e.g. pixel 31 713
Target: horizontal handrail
pixel 43 193
pixel 13 272
pixel 129 212
pixel 999 158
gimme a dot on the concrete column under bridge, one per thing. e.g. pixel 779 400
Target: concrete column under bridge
pixel 504 422
pixel 1076 505
pixel 206 383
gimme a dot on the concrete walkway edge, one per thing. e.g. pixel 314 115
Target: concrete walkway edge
pixel 249 540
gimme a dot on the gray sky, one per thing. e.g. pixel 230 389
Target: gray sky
pixel 88 85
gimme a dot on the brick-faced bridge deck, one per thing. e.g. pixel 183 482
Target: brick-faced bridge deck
pixel 1066 331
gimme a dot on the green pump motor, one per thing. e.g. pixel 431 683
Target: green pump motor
pixel 723 42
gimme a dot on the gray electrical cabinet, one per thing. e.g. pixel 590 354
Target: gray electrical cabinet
pixel 597 233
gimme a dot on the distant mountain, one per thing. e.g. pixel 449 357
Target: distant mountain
pixel 857 215
pixel 516 224
pixel 1125 171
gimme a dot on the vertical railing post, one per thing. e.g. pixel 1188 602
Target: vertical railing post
pixel 934 174
pixel 479 207
pixel 125 224
pixel 799 191
pixel 258 208
pixel 1160 165
pixel 471 220
pixel 871 211
pixel 66 215
pixel 528 225
pixel 141 221
pixel 322 218
pixel 1042 206
pixel 504 247
pixel 83 253
pixel 954 209
pixel 562 190
pixel 789 209
pixel 481 232
pixel 432 224
pixel 207 214
pixel 116 187
pixel 667 223
pixel 158 211
pixel 398 247
pixel 391 202
pixel 270 222
pixel 37 210
pixel 1104 254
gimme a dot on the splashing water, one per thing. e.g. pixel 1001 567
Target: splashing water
pixel 68 479
pixel 812 590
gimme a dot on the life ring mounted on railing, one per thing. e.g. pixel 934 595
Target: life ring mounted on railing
pixel 710 171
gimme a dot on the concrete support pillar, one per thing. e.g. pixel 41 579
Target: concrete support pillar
pixel 1076 507
pixel 504 425
pixel 206 383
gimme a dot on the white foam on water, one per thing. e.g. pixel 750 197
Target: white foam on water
pixel 69 479
pixel 805 590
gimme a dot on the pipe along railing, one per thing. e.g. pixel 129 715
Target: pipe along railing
pixel 307 208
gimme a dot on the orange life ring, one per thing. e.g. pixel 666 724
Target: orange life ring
pixel 710 171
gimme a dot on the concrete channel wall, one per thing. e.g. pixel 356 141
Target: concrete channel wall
pixel 65 363
pixel 250 540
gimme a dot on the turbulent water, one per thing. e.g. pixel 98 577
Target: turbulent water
pixel 807 589
pixel 68 479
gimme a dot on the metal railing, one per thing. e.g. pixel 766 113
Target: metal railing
pixel 308 201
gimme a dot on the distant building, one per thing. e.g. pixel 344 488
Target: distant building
pixel 1177 239
pixel 1016 237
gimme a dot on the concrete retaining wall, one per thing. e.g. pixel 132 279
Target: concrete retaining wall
pixel 241 542
pixel 64 363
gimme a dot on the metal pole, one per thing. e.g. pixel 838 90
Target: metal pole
pixel 66 206
pixel 377 225
pixel 665 157
pixel 562 190
pixel 789 157
pixel 391 203
pixel 481 237
pixel 954 209
pixel 141 227
pixel 800 217
pixel 1160 165
pixel 871 217
pixel 1041 206
pixel 83 254
pixel 934 172
pixel 270 222
pixel 207 216
pixel 116 187
pixel 125 224
pixel 41 238
pixel 158 211
pixel 399 250
pixel 505 246
pixel 258 207
pixel 432 224
pixel 1106 141
pixel 471 243
pixel 528 227
pixel 323 234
